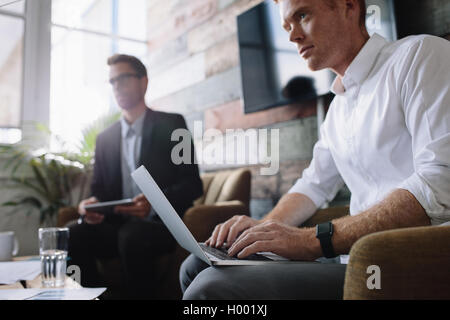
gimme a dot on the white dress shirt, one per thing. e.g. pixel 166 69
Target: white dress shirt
pixel 388 127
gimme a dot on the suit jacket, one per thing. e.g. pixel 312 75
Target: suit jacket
pixel 180 183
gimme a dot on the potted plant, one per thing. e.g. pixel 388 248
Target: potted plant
pixel 47 180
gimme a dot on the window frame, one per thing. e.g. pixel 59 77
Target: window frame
pixel 113 36
pixel 35 88
pixel 22 17
pixel 36 60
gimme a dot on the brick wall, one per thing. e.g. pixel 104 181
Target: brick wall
pixel 194 70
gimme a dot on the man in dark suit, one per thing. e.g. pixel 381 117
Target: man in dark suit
pixel 134 233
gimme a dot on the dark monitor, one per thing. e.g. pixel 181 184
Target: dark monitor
pixel 272 71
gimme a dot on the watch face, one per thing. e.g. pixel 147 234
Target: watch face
pixel 324 230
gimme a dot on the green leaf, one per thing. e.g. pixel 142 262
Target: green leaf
pixel 43 128
pixel 33 201
pixel 91 131
pixel 10 204
pixel 39 176
pixel 26 201
pixel 26 183
pixel 15 159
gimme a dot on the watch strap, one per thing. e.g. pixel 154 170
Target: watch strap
pixel 324 232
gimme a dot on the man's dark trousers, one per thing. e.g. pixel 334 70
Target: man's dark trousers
pixel 138 243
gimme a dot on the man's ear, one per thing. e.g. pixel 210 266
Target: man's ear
pixel 144 84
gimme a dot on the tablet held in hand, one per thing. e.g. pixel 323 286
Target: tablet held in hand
pixel 108 206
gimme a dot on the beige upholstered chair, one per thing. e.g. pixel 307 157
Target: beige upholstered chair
pixel 226 193
pixel 414 262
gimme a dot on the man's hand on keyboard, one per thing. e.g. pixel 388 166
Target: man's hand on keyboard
pixel 228 231
pixel 287 241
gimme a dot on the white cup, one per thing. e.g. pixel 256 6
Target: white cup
pixel 9 246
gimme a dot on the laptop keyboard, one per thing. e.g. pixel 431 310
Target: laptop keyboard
pixel 221 253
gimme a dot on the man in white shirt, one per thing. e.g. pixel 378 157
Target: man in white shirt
pixel 386 135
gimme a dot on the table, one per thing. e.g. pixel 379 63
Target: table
pixel 36 282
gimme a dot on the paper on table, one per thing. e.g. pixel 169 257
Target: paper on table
pixel 51 294
pixel 13 271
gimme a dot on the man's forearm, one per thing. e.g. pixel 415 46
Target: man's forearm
pixel 400 209
pixel 292 209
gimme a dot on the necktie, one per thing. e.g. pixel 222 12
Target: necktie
pixel 131 141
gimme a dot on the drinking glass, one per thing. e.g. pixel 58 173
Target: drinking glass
pixel 53 244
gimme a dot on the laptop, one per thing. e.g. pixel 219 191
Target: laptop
pixel 176 226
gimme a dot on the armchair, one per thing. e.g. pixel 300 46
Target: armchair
pixel 414 262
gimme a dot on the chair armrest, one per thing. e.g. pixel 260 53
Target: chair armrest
pixel 414 264
pixel 324 215
pixel 202 219
pixel 67 216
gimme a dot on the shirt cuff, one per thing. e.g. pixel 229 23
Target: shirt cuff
pixel 426 197
pixel 304 188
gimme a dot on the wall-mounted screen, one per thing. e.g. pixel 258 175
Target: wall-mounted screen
pixel 272 72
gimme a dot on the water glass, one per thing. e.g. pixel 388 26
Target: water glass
pixel 53 244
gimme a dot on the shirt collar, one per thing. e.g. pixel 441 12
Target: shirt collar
pixel 137 125
pixel 359 68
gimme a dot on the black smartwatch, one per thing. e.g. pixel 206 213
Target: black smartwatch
pixel 324 232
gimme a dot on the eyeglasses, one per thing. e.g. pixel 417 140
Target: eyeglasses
pixel 124 78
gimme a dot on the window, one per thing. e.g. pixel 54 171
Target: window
pixel 12 28
pixel 24 68
pixel 84 34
